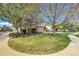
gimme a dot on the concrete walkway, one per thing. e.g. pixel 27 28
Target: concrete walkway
pixel 6 51
pixel 71 50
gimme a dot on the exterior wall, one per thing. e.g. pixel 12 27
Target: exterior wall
pixel 40 29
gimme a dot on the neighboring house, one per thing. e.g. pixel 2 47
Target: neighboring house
pixel 49 28
pixel 37 28
pixel 41 28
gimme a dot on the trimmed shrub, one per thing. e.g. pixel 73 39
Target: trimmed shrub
pixel 15 35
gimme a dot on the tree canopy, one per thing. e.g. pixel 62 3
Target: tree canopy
pixel 23 15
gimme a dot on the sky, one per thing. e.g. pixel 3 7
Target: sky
pixel 4 22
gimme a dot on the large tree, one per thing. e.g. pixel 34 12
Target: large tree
pixel 52 11
pixel 20 15
pixel 70 12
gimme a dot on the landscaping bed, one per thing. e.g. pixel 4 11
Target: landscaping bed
pixel 40 44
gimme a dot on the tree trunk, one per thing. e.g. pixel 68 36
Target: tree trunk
pixel 53 27
pixel 29 31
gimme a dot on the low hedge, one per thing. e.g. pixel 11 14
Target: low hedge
pixel 15 34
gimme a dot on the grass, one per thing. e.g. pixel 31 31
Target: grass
pixel 40 44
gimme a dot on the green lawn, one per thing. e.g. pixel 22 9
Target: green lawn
pixel 40 44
